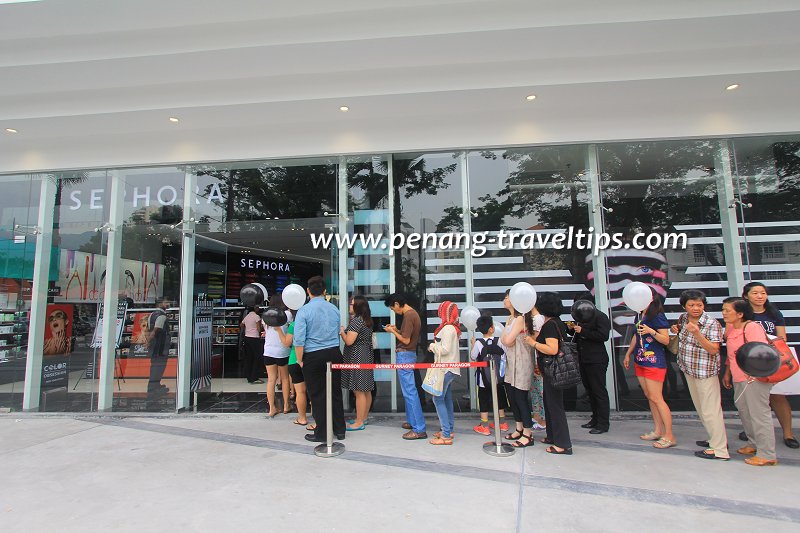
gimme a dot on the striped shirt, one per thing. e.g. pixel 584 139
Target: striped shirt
pixel 693 359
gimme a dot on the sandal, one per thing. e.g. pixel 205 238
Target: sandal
pixel 564 451
pixel 442 441
pixel 521 444
pixel 545 440
pixel 311 427
pixel 438 435
pixel 650 436
pixel 511 436
pixel 663 443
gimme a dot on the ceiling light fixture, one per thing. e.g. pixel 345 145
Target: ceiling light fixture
pixel 732 87
pixel 11 130
pixel 173 119
pixel 530 97
pixel 344 109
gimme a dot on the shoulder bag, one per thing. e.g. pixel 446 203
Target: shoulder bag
pixel 674 341
pixel 562 370
pixel 789 365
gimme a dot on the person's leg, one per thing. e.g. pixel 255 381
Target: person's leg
pixel 485 405
pixel 595 378
pixel 314 374
pixel 272 378
pixel 587 384
pixel 547 412
pixel 447 431
pixel 408 387
pixel 757 398
pixel 361 406
pixel 537 401
pixel 664 414
pixel 283 373
pixel 157 367
pixel 301 402
pixel 557 417
pixel 709 408
pixel 658 429
pixel 515 409
pixel 744 412
pixel 334 355
pixel 780 404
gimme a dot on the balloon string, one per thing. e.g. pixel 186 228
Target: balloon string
pixel 748 382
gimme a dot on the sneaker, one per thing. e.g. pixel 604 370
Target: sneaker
pixel 483 430
pixel 503 426
pixel 538 427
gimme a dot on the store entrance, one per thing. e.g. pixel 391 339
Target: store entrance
pixel 273 253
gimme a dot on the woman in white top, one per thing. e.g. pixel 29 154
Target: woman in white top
pixel 445 350
pixel 276 359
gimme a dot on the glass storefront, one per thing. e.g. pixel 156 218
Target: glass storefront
pixel 90 255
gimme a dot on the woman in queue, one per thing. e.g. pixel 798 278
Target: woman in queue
pixel 650 363
pixel 276 359
pixel 547 344
pixel 445 350
pixel 358 348
pixel 750 395
pixel 771 319
pixel 519 372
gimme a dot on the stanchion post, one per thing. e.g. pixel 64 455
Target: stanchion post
pixel 330 448
pixel 496 448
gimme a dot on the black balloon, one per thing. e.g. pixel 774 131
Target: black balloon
pixel 273 317
pixel 758 359
pixel 583 310
pixel 251 295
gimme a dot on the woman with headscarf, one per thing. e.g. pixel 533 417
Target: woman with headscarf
pixel 445 350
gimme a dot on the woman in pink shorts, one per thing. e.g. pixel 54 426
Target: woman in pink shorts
pixel 650 363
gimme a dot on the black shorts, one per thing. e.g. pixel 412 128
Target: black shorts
pixel 296 373
pixel 485 399
pixel 280 361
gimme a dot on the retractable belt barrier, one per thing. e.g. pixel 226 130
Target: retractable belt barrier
pixel 332 449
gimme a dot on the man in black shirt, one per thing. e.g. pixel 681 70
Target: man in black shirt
pixel 591 337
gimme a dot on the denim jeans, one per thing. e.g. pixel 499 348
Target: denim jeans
pixel 408 387
pixel 444 406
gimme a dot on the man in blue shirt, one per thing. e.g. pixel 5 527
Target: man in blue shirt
pixel 316 342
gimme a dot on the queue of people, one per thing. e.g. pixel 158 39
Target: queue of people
pixel 313 333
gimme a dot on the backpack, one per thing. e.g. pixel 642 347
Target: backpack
pixel 491 350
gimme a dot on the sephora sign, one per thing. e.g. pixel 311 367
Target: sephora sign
pixel 142 196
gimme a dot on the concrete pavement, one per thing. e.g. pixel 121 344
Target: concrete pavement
pixel 250 473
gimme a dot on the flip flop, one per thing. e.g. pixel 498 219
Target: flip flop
pixel 309 428
pixel 663 444
pixel 297 421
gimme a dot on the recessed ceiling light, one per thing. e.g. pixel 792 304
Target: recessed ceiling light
pixel 173 119
pixel 11 130
pixel 530 97
pixel 344 109
pixel 732 87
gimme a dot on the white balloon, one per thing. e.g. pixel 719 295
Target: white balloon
pixel 469 317
pixel 637 296
pixel 294 296
pixel 522 297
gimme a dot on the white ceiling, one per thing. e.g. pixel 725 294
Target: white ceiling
pixel 91 83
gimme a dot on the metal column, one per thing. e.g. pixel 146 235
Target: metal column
pixel 728 204
pixel 186 304
pixel 599 266
pixel 41 275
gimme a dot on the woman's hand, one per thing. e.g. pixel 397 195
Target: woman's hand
pixel 646 330
pixel 627 361
pixel 675 328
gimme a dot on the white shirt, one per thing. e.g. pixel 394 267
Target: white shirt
pixel 273 347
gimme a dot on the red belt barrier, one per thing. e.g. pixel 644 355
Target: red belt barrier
pixel 409 366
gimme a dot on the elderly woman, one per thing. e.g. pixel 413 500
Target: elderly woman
pixel 750 395
pixel 445 350
pixel 699 337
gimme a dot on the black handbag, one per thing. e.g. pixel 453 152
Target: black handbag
pixel 562 370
